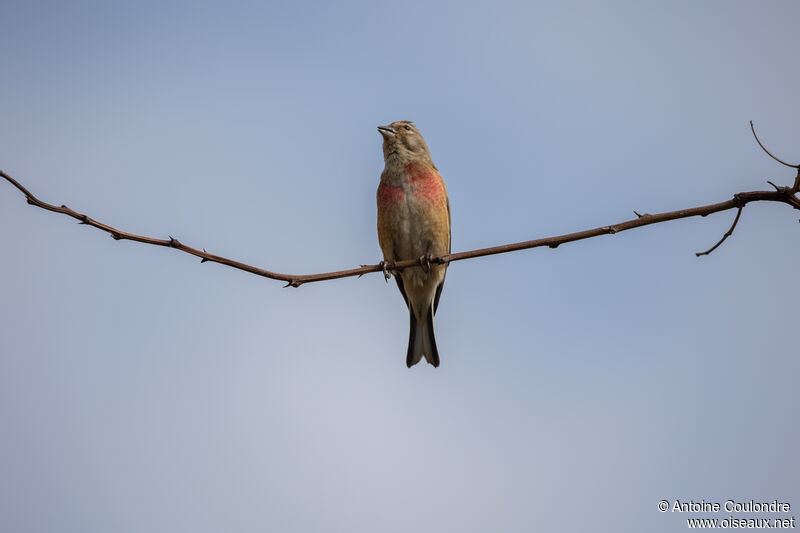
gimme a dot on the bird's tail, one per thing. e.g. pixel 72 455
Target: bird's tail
pixel 421 342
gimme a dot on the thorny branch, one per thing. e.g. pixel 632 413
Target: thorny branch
pixel 787 195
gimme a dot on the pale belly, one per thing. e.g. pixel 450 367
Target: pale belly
pixel 418 227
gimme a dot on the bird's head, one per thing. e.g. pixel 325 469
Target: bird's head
pixel 403 143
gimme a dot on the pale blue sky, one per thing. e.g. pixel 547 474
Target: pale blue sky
pixel 141 391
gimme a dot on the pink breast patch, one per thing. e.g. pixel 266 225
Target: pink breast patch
pixel 426 182
pixel 390 194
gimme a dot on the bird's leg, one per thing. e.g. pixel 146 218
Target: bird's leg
pixel 425 262
pixel 386 267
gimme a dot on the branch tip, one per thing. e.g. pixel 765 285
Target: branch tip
pixel 727 233
pixel 753 129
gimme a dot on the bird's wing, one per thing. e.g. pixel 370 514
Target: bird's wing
pixel 449 245
pixel 449 227
pixel 402 288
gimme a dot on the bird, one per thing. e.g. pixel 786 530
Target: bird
pixel 413 223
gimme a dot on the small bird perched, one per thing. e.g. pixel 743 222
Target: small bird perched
pixel 414 223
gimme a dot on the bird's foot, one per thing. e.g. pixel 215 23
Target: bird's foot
pixel 425 262
pixel 386 267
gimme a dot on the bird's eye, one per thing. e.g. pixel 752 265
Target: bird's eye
pixel 407 127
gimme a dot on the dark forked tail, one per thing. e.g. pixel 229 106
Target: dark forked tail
pixel 421 342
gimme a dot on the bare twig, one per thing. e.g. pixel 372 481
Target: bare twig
pixel 727 234
pixel 783 195
pixel 768 152
pixel 787 195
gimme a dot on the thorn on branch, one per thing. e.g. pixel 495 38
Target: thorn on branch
pixel 553 246
pixel 293 283
pixel 175 243
pixel 204 259
pixel 788 191
pixel 727 234
pixel 31 202
pixel 116 236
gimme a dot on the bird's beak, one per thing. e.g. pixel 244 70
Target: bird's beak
pixel 386 131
